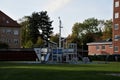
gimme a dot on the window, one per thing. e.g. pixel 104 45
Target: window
pixel 2 40
pixel 117 15
pixel 103 47
pixel 8 40
pixel 97 47
pixel 16 41
pixel 116 26
pixel 16 32
pixel 7 22
pixel 117 4
pixel 110 46
pixel 4 31
pixel 116 37
pixel 8 31
pixel 116 48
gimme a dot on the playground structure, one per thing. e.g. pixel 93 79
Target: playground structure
pixel 53 53
pixel 58 55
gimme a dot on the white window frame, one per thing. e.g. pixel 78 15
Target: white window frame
pixel 116 37
pixel 104 47
pixel 16 32
pixel 116 26
pixel 97 47
pixel 3 30
pixel 7 22
pixel 16 41
pixel 8 31
pixel 116 15
pixel 110 46
pixel 117 4
pixel 116 49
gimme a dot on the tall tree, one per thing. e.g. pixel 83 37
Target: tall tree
pixel 40 21
pixel 25 31
pixel 83 33
pixel 55 38
pixel 107 32
pixel 90 25
pixel 35 26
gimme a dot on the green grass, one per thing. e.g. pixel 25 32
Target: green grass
pixel 17 71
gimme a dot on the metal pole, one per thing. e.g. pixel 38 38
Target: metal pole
pixel 60 32
pixel 82 49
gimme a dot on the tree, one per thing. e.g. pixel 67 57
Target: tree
pixel 35 26
pixel 55 38
pixel 40 21
pixel 85 32
pixel 25 30
pixel 107 32
pixel 3 45
pixel 29 44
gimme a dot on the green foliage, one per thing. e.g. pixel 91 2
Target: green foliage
pixel 55 38
pixel 107 33
pixel 104 57
pixel 83 33
pixel 90 31
pixel 29 44
pixel 39 42
pixel 32 25
pixel 3 45
pixel 25 31
pixel 90 25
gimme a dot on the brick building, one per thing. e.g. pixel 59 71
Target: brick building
pixel 9 31
pixel 116 27
pixel 93 47
pixel 100 48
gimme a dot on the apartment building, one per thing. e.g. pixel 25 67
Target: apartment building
pixel 116 27
pixel 9 31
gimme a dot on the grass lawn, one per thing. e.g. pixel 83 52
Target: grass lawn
pixel 18 71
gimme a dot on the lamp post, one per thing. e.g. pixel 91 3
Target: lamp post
pixel 60 23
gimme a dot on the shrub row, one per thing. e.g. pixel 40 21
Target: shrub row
pixel 105 58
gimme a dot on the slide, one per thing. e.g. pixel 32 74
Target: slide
pixel 47 57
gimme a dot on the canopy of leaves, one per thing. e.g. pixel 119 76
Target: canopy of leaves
pixel 107 32
pixel 90 31
pixel 32 25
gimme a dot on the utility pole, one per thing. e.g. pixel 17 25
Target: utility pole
pixel 60 26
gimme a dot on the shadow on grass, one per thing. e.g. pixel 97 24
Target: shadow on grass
pixel 13 71
pixel 42 74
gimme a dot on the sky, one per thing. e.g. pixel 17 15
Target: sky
pixel 70 11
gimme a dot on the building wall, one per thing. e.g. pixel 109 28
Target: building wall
pixel 93 50
pixel 10 31
pixel 116 29
pixel 11 36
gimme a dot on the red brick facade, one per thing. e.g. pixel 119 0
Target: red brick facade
pixel 116 29
pixel 100 48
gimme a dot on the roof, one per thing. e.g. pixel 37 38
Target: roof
pixel 100 43
pixel 6 21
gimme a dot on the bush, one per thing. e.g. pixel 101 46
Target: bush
pixel 3 45
pixel 105 57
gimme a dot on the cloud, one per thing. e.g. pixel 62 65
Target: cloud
pixel 55 5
